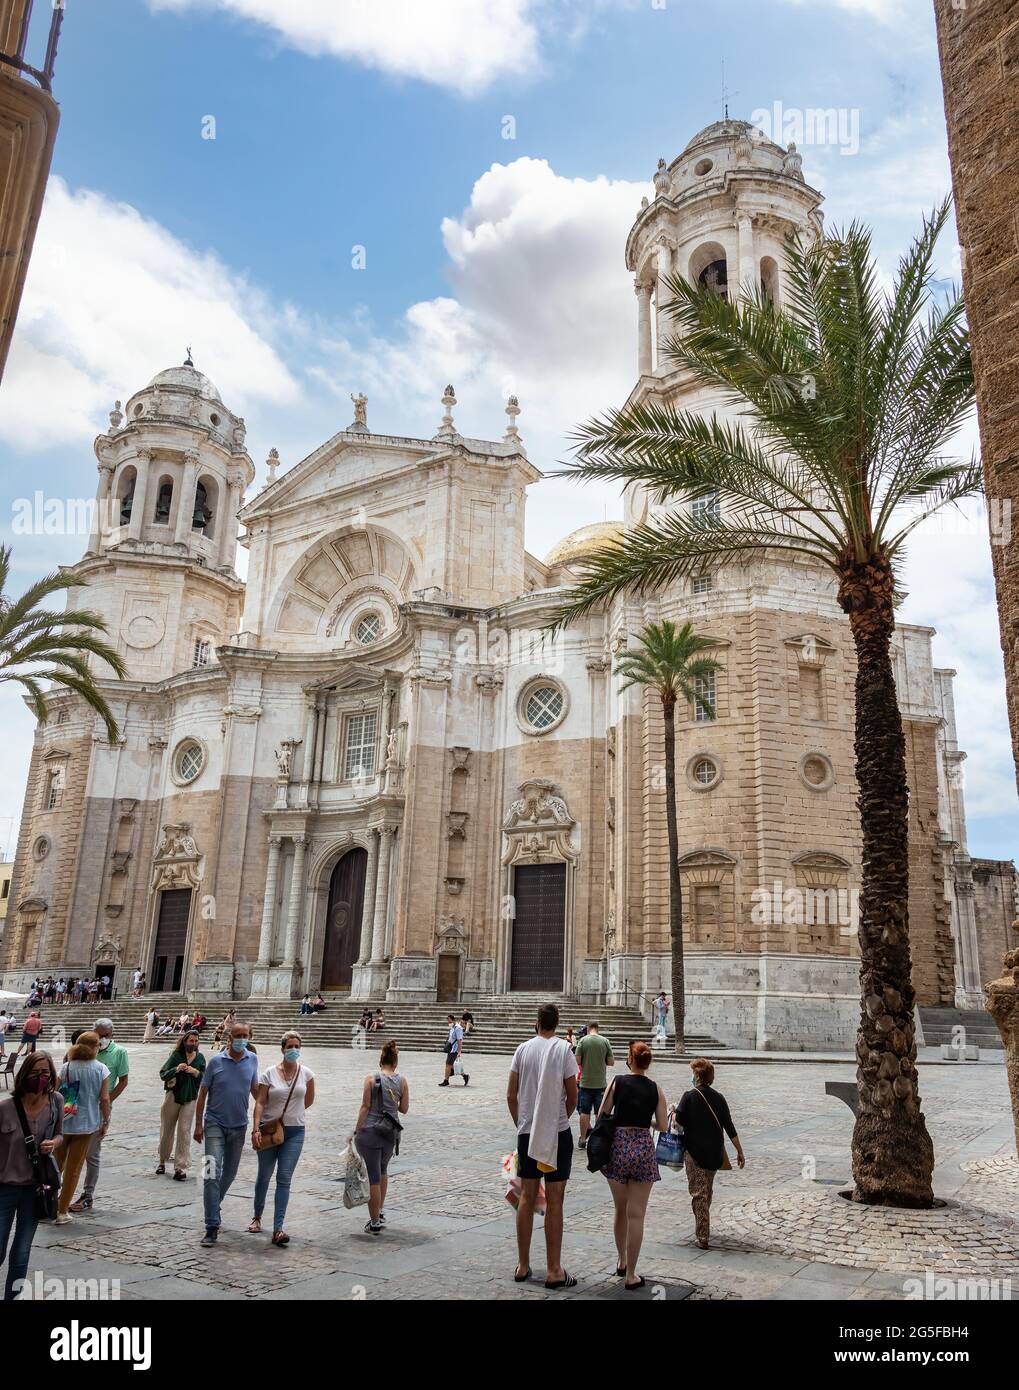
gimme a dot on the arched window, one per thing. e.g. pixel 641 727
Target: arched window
pixel 715 276
pixel 709 267
pixel 769 278
pixel 164 501
pixel 125 495
pixel 204 516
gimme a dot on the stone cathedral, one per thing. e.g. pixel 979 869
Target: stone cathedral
pixel 366 769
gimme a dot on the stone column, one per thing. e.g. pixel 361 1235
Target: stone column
pixel 368 911
pixel 139 503
pixel 296 900
pixel 100 522
pixel 308 769
pixel 386 833
pixel 269 902
pixel 663 267
pixel 186 500
pixel 747 256
pixel 228 533
pixel 644 362
pixel 1003 1006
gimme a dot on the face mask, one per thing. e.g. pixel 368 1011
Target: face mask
pixel 104 1044
pixel 191 1048
pixel 292 1054
pixel 38 1083
pixel 238 1045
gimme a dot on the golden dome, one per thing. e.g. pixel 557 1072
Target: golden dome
pixel 583 541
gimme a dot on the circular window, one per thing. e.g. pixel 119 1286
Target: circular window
pixel 705 166
pixel 189 760
pixel 543 706
pixel 214 418
pixel 816 772
pixel 41 848
pixel 138 409
pixel 368 629
pixel 703 772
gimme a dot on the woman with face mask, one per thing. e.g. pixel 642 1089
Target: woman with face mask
pixel 31 1119
pixel 285 1092
pixel 181 1075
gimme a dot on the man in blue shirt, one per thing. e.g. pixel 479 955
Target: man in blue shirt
pixel 221 1119
pixel 454 1051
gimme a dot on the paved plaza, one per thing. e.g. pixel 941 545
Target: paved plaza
pixel 779 1228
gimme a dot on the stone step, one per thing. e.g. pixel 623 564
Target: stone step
pixel 940 1023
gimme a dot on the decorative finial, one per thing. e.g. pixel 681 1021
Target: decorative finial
pixel 360 421
pixel 187 360
pixel 116 416
pixel 512 435
pixel 447 430
pixel 272 462
pixel 661 179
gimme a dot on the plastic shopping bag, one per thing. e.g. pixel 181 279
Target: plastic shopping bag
pixel 355 1177
pixel 509 1168
pixel 458 1067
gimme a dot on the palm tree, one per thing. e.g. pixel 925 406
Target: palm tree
pixel 38 645
pixel 668 661
pixel 846 400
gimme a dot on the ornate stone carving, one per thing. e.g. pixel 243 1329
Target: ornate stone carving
pixel 461 756
pixel 792 164
pixel 454 886
pixel 108 950
pixel 284 755
pixel 538 825
pixel 177 842
pixel 430 676
pixel 596 665
pixel 489 683
pixel 451 936
pixel 456 822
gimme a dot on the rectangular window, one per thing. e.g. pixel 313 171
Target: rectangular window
pixel 203 653
pixel 702 583
pixel 704 686
pixel 706 511
pixel 811 693
pixel 359 752
pixel 6 888
pixel 54 788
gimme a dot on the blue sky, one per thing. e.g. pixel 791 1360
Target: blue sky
pixel 494 263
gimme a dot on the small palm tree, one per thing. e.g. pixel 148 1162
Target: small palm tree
pixel 845 400
pixel 38 645
pixel 668 662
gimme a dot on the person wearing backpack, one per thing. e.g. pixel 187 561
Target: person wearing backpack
pixel 85 1085
pixel 285 1092
pixel 704 1116
pixel 385 1096
pixel 31 1118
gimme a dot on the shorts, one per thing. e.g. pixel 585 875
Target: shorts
pixel 31 1039
pixel 527 1167
pixel 376 1153
pixel 590 1100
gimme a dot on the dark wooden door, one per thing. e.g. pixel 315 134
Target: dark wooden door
pixel 343 920
pixel 448 991
pixel 171 939
pixel 539 927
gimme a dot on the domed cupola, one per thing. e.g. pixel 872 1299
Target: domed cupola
pixel 173 469
pixel 722 214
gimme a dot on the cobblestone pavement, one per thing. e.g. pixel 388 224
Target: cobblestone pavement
pixel 779 1228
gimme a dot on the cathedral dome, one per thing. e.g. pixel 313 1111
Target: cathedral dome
pixel 584 541
pixel 188 377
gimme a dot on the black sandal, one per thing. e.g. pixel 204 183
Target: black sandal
pixel 639 1284
pixel 522 1278
pixel 570 1282
pixel 621 1273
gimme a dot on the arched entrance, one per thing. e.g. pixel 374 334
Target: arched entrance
pixel 343 919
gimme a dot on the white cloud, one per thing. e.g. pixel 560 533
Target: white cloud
pixel 461 44
pixel 111 298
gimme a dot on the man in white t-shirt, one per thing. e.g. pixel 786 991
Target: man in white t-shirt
pixel 522 1098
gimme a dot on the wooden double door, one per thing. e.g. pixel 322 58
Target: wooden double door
pixel 343 919
pixel 171 940
pixel 539 927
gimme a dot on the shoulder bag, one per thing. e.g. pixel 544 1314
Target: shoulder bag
pixel 726 1160
pixel 599 1141
pixel 46 1174
pixel 272 1130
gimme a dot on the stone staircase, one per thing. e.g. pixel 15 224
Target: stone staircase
pixel 978 1023
pixel 502 1022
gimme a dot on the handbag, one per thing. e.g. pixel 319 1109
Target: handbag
pixel 70 1090
pixel 726 1160
pixel 45 1172
pixel 670 1150
pixel 271 1131
pixel 599 1141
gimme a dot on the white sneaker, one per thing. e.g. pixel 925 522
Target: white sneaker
pixel 62 1218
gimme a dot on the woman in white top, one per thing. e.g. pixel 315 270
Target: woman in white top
pixel 151 1028
pixel 285 1092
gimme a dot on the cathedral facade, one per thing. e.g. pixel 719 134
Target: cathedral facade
pixel 369 768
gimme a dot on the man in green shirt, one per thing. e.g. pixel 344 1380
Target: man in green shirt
pixel 114 1056
pixel 594 1054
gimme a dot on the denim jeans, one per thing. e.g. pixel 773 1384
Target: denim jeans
pixel 17 1201
pixel 283 1157
pixel 224 1147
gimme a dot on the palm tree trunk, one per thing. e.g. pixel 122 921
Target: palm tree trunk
pixel 893 1157
pixel 675 880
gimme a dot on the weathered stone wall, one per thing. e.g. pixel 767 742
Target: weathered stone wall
pixel 979 44
pixel 994 902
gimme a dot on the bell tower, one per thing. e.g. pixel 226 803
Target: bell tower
pixel 173 469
